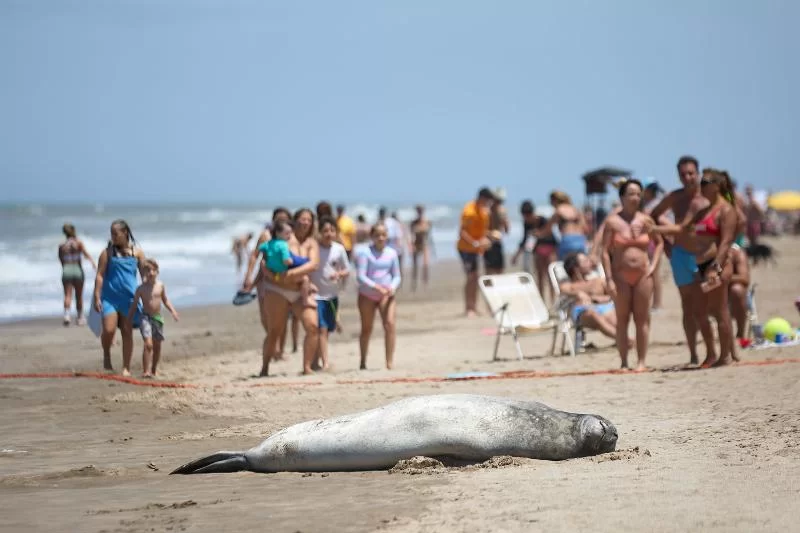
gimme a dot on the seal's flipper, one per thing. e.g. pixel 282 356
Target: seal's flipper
pixel 218 463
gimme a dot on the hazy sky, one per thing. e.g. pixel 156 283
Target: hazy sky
pixel 267 102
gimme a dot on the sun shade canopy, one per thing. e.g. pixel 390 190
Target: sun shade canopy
pixel 596 180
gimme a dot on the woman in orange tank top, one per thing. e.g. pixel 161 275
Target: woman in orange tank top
pixel 629 270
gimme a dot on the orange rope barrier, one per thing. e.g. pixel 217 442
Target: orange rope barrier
pixel 510 374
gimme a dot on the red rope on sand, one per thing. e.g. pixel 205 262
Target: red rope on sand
pixel 146 382
pixel 511 374
pixel 99 375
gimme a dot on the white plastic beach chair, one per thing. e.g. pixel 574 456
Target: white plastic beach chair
pixel 566 328
pixel 517 306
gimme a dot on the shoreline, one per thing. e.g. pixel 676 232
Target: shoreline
pixel 207 330
pixel 441 270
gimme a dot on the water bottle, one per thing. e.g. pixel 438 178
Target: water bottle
pixel 579 338
pixel 758 332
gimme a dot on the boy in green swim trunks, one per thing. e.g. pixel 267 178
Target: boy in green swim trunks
pixel 152 293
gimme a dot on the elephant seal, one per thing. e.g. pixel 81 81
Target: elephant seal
pixel 460 426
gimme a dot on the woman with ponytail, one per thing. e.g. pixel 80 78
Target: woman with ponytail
pixel 713 230
pixel 114 287
pixel 741 218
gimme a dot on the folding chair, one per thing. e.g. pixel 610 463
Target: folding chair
pixel 563 307
pixel 516 305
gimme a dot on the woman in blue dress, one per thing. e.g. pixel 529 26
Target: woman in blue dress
pixel 114 288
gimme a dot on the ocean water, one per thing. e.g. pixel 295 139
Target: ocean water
pixel 191 244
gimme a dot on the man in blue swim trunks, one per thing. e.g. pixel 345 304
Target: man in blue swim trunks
pixel 683 202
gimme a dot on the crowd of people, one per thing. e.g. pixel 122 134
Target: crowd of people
pixel 305 288
pixel 301 261
pixel 701 227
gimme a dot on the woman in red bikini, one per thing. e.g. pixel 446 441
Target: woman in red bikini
pixel 629 270
pixel 714 230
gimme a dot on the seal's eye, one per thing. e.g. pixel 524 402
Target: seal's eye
pixel 608 439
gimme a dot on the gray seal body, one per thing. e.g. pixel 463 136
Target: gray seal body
pixel 460 426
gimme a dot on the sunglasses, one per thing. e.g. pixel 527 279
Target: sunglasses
pixel 704 182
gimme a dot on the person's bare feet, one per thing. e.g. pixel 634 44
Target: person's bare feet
pixel 694 360
pixel 641 368
pixel 264 372
pixel 147 376
pixel 126 372
pixel 709 362
pixel 307 372
pixel 363 366
pixel 107 364
pixel 471 314
pixel 722 361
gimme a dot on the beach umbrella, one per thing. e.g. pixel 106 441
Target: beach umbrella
pixel 595 183
pixel 607 173
pixel 785 201
pixel 597 179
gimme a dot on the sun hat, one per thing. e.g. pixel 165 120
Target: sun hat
pixel 652 183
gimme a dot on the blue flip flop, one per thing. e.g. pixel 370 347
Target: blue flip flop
pixel 470 375
pixel 244 297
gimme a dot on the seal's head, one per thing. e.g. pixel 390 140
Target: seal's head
pixel 599 435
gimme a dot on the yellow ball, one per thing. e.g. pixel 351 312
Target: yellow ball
pixel 775 326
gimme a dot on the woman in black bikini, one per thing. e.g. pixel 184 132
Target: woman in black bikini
pixel 538 244
pixel 494 261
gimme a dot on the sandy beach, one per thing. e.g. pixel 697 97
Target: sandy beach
pixel 711 450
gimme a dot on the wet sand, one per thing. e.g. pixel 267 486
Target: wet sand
pixel 712 450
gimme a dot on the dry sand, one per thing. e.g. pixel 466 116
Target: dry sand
pixel 712 450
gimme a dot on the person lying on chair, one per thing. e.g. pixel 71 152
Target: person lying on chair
pixel 592 307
